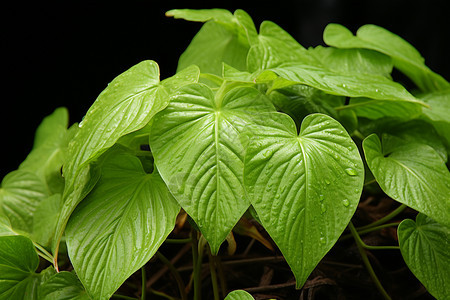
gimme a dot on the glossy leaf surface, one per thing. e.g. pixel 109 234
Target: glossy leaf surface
pixel 405 57
pixel 120 225
pixel 424 246
pixel 411 173
pixel 305 187
pixel 199 152
pixel 239 295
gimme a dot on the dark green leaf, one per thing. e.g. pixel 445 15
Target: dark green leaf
pixel 63 286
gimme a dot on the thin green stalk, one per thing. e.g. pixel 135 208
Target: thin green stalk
pixel 176 274
pixel 362 252
pixel 197 265
pixel 161 294
pixel 43 253
pixel 212 269
pixel 370 182
pixel 358 134
pixel 144 280
pixel 178 241
pixel 123 297
pixel 221 275
pixel 360 232
pixel 384 219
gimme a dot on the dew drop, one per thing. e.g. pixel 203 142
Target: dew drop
pixel 321 197
pixel 277 196
pixel 322 240
pixel 344 85
pixel 376 90
pixel 351 172
pixel 323 208
pixel 327 181
pixel 345 202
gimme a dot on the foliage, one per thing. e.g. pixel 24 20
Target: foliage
pixel 252 123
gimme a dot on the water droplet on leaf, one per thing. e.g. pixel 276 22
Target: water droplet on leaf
pixel 351 172
pixel 346 202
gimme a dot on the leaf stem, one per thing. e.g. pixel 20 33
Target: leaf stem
pixel 365 259
pixel 161 294
pixel 347 236
pixel 43 253
pixel 123 297
pixel 212 269
pixel 178 241
pixel 176 274
pixel 384 219
pixel 144 280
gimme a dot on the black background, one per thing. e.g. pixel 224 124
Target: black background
pixel 64 53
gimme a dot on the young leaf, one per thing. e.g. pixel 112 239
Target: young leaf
pixel 199 152
pixel 343 84
pixel 305 187
pixel 424 246
pixel 63 286
pixel 239 295
pixel 18 263
pixel 120 225
pixel 21 193
pixel 45 218
pixel 411 173
pixel 405 57
pixel 221 39
pixel 438 113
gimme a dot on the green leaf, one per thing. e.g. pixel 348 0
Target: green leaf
pixel 305 187
pixel 120 225
pixel 343 84
pixel 63 286
pixel 275 46
pixel 298 101
pixel 411 173
pixel 21 193
pixel 45 219
pixel 424 246
pixel 221 39
pixel 362 61
pixel 405 57
pixel 239 295
pixel 377 109
pixel 18 263
pixel 128 104
pixel 198 149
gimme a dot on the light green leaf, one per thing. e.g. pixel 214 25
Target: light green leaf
pixel 18 263
pixel 221 39
pixel 305 187
pixel 411 173
pixel 362 61
pixel 298 101
pixel 21 193
pixel 120 225
pixel 5 225
pixel 424 246
pixel 405 57
pixel 63 286
pixel 377 109
pixel 198 149
pixel 275 46
pixel 45 219
pixel 239 295
pixel 128 104
pixel 343 84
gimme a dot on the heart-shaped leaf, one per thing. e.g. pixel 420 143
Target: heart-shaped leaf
pixel 411 173
pixel 199 152
pixel 305 187
pixel 424 245
pixel 239 295
pixel 18 264
pixel 120 225
pixel 63 286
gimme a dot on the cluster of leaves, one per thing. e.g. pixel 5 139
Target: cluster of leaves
pixel 251 122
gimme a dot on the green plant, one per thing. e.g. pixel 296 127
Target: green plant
pixel 252 123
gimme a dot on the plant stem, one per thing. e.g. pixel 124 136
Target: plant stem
pixel 347 236
pixel 357 133
pixel 161 294
pixel 196 266
pixel 359 244
pixel 123 297
pixel 144 280
pixel 212 269
pixel 175 273
pixel 384 219
pixel 178 241
pixel 43 253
